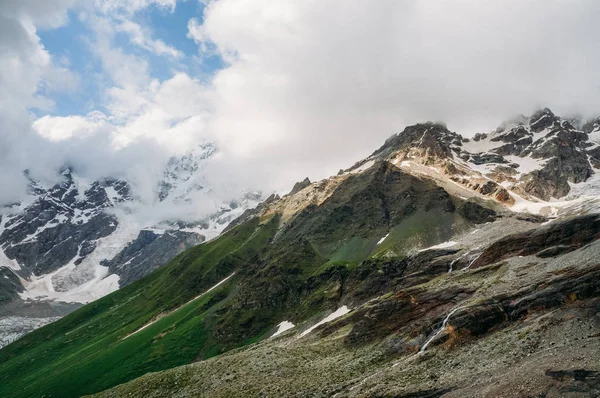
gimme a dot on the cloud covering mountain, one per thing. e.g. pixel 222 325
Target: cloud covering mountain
pixel 279 87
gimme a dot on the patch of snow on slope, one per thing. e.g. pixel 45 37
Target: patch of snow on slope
pixel 483 169
pixel 7 262
pixel 283 327
pixel 572 205
pixel 443 245
pixel 589 188
pixel 112 194
pixel 382 239
pixel 594 136
pixel 526 164
pixel 338 313
pixel 483 145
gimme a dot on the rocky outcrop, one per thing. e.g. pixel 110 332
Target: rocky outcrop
pixel 556 238
pixel 414 315
pixel 406 314
pixel 477 213
pixel 556 144
pixel 431 141
pixel 149 251
pixel 299 186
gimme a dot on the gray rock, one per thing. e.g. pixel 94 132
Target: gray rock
pixel 148 252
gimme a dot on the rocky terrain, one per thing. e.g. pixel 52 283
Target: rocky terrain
pixel 439 266
pixel 76 241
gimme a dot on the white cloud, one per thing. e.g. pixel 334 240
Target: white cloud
pixel 43 14
pixel 309 86
pixel 141 36
pixel 312 86
pixel 55 128
pixel 28 74
pixel 174 113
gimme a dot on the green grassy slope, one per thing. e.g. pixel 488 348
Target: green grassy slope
pixel 85 351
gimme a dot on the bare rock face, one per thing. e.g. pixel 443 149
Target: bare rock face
pixel 537 157
pixel 299 186
pixel 560 148
pixel 149 251
pixel 62 224
pixel 556 238
pixel 430 141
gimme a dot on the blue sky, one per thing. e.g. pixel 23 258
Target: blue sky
pixel 71 46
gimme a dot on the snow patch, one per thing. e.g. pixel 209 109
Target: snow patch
pixel 382 239
pixel 282 327
pixel 112 194
pixel 443 245
pixel 89 280
pixel 336 314
pixel 526 164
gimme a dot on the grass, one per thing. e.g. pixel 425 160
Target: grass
pixel 85 352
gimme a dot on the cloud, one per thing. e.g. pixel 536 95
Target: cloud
pixel 43 14
pixel 141 36
pixel 307 87
pixel 56 128
pixel 27 77
pixel 312 86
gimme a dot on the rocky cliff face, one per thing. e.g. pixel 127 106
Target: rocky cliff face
pixel 538 158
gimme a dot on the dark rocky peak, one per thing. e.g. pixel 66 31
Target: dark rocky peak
pixel 543 119
pixel 591 126
pixel 516 139
pixel 430 140
pixel 300 185
pixel 105 193
pixel 513 134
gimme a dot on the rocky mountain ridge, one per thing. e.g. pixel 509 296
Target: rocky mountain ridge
pixel 538 159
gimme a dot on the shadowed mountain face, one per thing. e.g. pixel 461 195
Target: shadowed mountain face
pixel 415 273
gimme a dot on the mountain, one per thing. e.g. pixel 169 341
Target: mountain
pixel 438 266
pixel 77 241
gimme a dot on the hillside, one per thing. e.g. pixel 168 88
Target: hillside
pixel 438 266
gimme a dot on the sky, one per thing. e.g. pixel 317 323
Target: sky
pixel 286 89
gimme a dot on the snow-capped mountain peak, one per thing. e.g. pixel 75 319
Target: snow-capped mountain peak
pixel 78 240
